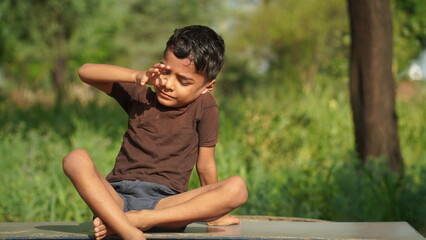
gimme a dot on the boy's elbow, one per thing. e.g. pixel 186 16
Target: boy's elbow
pixel 83 72
pixel 204 169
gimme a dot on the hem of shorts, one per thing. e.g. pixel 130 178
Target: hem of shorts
pixel 135 179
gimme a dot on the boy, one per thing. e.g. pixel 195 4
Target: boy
pixel 169 131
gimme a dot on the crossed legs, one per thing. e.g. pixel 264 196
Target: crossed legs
pixel 98 194
pixel 205 204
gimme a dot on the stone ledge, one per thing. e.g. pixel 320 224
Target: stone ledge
pixel 250 228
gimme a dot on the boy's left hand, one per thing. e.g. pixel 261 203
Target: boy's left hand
pixel 225 221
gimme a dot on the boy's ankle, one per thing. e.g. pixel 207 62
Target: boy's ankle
pixel 139 219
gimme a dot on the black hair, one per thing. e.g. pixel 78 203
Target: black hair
pixel 200 44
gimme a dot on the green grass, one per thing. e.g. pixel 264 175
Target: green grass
pixel 294 150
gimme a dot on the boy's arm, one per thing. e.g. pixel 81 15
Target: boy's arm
pixel 207 172
pixel 206 166
pixel 102 76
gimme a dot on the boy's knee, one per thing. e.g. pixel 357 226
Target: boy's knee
pixel 237 190
pixel 75 161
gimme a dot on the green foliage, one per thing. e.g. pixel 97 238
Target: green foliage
pixel 414 25
pixel 296 153
pixel 33 142
pixel 37 35
pixel 409 31
pixel 148 24
pixel 293 39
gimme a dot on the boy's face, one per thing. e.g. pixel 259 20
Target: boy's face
pixel 181 83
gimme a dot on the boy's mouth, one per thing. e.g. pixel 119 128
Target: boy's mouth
pixel 164 95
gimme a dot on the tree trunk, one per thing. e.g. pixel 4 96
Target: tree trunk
pixel 59 78
pixel 372 87
pixel 59 67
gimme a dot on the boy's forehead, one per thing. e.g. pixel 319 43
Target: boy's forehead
pixel 182 66
pixel 170 58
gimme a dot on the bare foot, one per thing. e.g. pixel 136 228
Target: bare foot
pixel 102 230
pixel 225 221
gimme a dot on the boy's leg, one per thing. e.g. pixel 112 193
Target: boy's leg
pixel 203 204
pixel 98 194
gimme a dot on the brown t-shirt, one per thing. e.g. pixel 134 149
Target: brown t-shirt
pixel 161 143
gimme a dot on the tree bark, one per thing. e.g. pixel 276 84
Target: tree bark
pixel 58 74
pixel 372 87
pixel 59 66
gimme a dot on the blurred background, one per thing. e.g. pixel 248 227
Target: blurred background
pixel 285 124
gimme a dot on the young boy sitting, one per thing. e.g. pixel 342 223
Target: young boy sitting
pixel 169 131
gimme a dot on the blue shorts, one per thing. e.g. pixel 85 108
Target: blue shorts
pixel 138 195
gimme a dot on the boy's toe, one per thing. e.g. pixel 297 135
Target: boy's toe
pixel 97 222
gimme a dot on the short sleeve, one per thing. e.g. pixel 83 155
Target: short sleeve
pixel 208 125
pixel 126 93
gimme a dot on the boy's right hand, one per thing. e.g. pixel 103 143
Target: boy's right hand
pixel 152 75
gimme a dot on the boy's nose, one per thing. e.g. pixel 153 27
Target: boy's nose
pixel 167 83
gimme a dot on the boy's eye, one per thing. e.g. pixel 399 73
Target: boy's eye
pixel 165 72
pixel 184 83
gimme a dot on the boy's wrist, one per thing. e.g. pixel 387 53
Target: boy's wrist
pixel 139 77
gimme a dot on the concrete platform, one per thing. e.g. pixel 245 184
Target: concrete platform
pixel 247 230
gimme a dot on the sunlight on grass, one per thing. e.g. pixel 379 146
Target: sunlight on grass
pixel 296 155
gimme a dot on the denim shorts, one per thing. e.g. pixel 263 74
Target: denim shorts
pixel 138 195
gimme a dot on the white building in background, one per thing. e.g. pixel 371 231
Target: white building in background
pixel 417 69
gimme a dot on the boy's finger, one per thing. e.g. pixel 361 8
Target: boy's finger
pixel 162 66
pixel 154 70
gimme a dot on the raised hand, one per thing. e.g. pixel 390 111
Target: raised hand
pixel 153 75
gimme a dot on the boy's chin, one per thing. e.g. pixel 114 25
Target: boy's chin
pixel 169 103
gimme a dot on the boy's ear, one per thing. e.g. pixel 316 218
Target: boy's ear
pixel 209 87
